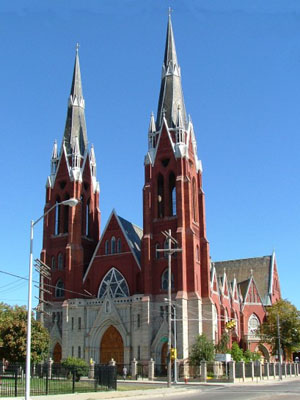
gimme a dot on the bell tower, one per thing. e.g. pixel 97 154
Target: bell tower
pixel 173 198
pixel 71 233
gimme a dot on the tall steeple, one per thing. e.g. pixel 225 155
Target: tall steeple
pixel 75 128
pixel 171 95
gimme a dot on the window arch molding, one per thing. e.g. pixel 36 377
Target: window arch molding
pixel 113 245
pixel 57 217
pixel 165 279
pixel 59 289
pixel 114 284
pixel 172 194
pixel 253 324
pixel 60 261
pixel 106 247
pixel 66 210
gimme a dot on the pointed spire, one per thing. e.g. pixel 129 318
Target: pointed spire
pixel 152 127
pixel 75 123
pixel 54 151
pixel 93 161
pixel 171 94
pixel 54 158
pixel 76 153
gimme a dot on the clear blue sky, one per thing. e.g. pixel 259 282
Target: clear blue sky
pixel 240 63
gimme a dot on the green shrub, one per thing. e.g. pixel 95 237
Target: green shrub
pixel 79 366
pixel 236 352
pixel 202 350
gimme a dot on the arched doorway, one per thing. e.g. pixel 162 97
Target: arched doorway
pixel 57 353
pixel 164 359
pixel 111 346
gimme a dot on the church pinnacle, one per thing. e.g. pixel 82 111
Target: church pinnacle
pixel 75 128
pixel 171 95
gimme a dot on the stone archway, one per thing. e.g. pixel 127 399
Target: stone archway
pixel 57 353
pixel 111 346
pixel 263 351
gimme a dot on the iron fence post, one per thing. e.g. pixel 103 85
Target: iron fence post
pixel 73 381
pixel 16 382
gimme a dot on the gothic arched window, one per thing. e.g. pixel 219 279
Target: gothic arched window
pixel 113 245
pixel 53 263
pixel 172 194
pixel 166 247
pixel 106 247
pixel 165 280
pixel 82 202
pixel 160 197
pixel 253 324
pixel 236 323
pixel 57 217
pixel 87 218
pixel 115 284
pixel 60 261
pixel 194 199
pixel 215 324
pixel 59 289
pixel 66 216
pixel 197 253
pixel 119 245
pixel 157 255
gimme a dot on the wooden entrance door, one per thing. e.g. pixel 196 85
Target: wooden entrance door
pixel 57 353
pixel 164 354
pixel 111 346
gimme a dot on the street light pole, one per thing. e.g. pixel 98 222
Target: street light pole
pixel 71 203
pixel 279 348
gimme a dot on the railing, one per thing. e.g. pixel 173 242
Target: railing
pixel 54 379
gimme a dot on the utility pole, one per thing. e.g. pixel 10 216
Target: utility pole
pixel 45 273
pixel 279 348
pixel 169 251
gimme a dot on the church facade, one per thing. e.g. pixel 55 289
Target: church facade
pixel 107 296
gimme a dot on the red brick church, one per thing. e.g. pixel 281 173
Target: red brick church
pixel 109 290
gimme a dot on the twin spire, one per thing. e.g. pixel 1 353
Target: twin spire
pixel 75 130
pixel 171 95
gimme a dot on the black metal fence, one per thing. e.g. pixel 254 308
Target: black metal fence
pixel 55 380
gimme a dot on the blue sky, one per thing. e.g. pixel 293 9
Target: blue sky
pixel 240 64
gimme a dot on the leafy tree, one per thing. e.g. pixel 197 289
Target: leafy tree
pixel 77 365
pixel 251 356
pixel 13 331
pixel 236 352
pixel 289 320
pixel 223 345
pixel 202 350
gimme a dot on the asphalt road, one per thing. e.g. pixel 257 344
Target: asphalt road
pixel 284 390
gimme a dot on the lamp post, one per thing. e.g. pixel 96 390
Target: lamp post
pixel 71 203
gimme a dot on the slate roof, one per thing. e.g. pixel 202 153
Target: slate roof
pixel 241 270
pixel 134 235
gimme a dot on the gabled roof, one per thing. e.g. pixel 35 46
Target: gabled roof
pixel 260 267
pixel 134 236
pixel 132 233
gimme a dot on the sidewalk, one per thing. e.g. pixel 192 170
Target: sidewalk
pixel 155 392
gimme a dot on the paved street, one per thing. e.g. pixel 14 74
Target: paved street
pixel 265 390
